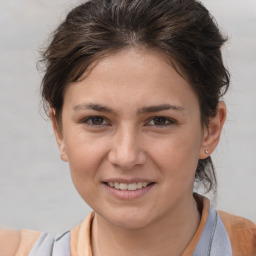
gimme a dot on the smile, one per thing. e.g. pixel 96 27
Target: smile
pixel 129 186
pixel 128 190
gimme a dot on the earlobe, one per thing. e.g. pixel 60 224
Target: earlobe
pixel 212 133
pixel 58 136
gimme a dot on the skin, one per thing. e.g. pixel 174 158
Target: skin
pixel 110 132
pixel 9 242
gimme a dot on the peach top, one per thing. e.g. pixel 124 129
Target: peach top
pixel 241 232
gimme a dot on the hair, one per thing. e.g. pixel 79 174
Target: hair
pixel 183 29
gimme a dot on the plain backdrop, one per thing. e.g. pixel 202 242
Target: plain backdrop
pixel 36 191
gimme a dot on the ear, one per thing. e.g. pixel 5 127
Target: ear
pixel 58 136
pixel 213 131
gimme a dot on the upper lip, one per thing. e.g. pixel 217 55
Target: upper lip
pixel 128 181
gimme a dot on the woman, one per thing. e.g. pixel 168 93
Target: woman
pixel 133 91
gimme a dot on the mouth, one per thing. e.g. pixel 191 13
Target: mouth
pixel 128 186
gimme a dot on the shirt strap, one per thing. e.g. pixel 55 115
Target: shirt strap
pixel 214 239
pixel 47 245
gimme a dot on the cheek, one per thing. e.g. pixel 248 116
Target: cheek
pixel 177 155
pixel 84 163
pixel 86 156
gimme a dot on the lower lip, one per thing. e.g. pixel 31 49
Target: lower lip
pixel 128 194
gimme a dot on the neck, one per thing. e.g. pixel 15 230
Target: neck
pixel 172 233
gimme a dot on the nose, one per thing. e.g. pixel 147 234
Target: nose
pixel 126 151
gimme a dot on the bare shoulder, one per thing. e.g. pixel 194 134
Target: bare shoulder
pixel 9 242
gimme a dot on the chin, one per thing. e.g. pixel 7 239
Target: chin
pixel 125 219
pixel 130 223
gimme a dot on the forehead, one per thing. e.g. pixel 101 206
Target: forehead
pixel 134 60
pixel 134 76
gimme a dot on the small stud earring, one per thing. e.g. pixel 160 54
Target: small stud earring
pixel 206 152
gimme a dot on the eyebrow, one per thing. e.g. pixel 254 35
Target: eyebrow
pixel 94 106
pixel 158 108
pixel 148 109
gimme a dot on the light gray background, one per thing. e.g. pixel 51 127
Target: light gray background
pixel 35 187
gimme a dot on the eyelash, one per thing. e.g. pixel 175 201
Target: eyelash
pixel 88 121
pixel 167 121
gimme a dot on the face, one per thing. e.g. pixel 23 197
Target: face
pixel 132 136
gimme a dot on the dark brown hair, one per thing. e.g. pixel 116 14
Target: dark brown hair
pixel 182 29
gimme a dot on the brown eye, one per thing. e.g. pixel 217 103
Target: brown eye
pixel 160 121
pixel 95 121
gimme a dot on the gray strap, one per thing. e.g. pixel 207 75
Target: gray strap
pixel 46 245
pixel 221 244
pixel 43 245
pixel 214 239
pixel 62 245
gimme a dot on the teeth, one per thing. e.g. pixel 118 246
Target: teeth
pixel 116 185
pixel 131 186
pixel 144 184
pixel 123 186
pixel 139 185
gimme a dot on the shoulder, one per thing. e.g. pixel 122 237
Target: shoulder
pixel 9 242
pixel 241 232
pixel 17 242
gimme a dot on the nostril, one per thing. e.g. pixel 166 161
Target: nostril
pixel 126 159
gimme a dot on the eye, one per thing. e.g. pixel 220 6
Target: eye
pixel 95 121
pixel 161 121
